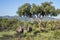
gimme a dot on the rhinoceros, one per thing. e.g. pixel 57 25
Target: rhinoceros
pixel 29 29
pixel 19 31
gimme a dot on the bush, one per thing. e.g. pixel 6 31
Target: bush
pixel 8 24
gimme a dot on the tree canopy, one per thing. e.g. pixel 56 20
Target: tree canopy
pixel 46 8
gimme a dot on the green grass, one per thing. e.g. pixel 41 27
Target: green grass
pixel 7 35
pixel 50 35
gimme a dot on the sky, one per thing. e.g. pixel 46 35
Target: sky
pixel 10 7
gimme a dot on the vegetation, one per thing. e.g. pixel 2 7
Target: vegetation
pixel 41 30
pixel 44 9
pixel 8 24
pixel 51 30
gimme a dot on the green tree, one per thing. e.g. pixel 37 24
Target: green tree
pixel 57 11
pixel 24 10
pixel 46 8
pixel 34 9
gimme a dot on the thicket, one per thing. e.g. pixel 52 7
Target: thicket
pixel 8 24
pixel 41 30
pixel 12 24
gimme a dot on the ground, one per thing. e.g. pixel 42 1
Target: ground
pixel 50 35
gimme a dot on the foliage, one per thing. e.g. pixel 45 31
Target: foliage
pixel 24 10
pixel 51 35
pixel 52 31
pixel 46 8
pixel 8 24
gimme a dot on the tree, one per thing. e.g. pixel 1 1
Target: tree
pixel 24 10
pixel 44 9
pixel 48 9
pixel 57 11
pixel 34 9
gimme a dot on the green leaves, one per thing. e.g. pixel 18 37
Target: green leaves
pixel 46 8
pixel 24 10
pixel 8 24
